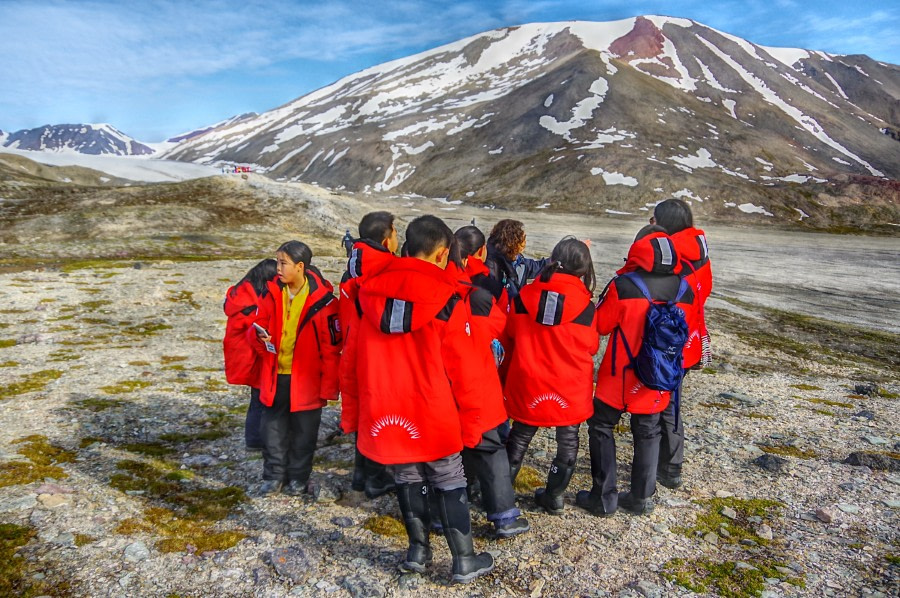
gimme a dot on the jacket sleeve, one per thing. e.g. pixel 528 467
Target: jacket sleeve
pixel 609 311
pixel 329 350
pixel 533 267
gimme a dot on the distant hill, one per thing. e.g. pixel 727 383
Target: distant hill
pixel 19 171
pixel 597 117
pixel 95 139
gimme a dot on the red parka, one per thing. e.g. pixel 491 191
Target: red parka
pixel 550 345
pixel 692 249
pixel 413 352
pixel 314 367
pixel 487 410
pixel 242 307
pixel 623 306
pixel 366 258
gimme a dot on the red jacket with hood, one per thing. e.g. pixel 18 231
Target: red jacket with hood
pixel 623 306
pixel 242 307
pixel 366 258
pixel 413 353
pixel 550 345
pixel 691 247
pixel 314 367
pixel 486 411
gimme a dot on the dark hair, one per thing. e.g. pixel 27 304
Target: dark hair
pixel 426 234
pixel 571 256
pixel 258 276
pixel 298 251
pixel 649 230
pixel 376 226
pixel 507 236
pixel 674 215
pixel 470 240
pixel 455 255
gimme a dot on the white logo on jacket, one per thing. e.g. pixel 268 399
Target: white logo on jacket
pixel 386 421
pixel 548 396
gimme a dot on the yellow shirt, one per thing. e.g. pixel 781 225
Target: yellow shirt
pixel 290 321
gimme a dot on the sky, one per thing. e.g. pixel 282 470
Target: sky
pixel 157 68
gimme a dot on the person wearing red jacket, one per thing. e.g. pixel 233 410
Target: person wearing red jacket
pixel 622 313
pixel 414 355
pixel 242 305
pixel 299 373
pixel 552 340
pixel 674 215
pixel 369 254
pixel 484 453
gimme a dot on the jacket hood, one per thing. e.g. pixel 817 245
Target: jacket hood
pixel 691 244
pixel 243 297
pixel 406 295
pixel 475 266
pixel 654 253
pixel 367 257
pixel 560 300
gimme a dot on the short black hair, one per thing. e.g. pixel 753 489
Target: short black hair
pixel 426 234
pixel 376 226
pixel 298 251
pixel 649 230
pixel 674 215
pixel 470 239
pixel 571 256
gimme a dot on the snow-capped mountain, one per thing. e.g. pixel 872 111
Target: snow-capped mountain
pixel 578 115
pixel 219 125
pixel 95 139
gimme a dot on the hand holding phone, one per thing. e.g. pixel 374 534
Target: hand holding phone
pixel 263 335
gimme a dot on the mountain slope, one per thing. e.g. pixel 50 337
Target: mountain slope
pixel 597 116
pixel 94 139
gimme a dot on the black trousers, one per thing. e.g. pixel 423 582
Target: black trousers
pixel 252 435
pixel 671 442
pixel 645 431
pixel 520 437
pixel 489 464
pixel 289 439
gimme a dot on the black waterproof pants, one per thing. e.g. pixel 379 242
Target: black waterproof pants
pixel 671 441
pixel 252 435
pixel 520 437
pixel 289 438
pixel 489 464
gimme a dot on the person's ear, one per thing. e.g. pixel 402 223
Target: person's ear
pixel 443 257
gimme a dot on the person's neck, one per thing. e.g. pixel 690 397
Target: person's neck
pixel 296 286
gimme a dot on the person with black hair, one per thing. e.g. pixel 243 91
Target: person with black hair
pixel 413 353
pixel 347 242
pixel 369 254
pixel 504 256
pixel 622 313
pixel 485 428
pixel 243 303
pixel 676 218
pixel 551 340
pixel 300 343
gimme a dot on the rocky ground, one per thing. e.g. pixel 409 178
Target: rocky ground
pixel 123 471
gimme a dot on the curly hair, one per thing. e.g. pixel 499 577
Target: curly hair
pixel 508 237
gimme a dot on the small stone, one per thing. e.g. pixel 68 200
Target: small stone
pixel 764 532
pixel 753 449
pixel 868 389
pixel 848 508
pixel 847 486
pixel 723 531
pixel 661 528
pixel 755 519
pixel 748 542
pixel 769 594
pixel 894 479
pixel 647 589
pixel 784 571
pixel 293 562
pixel 363 586
pixel 342 521
pixel 29 501
pixel 64 539
pixel 865 414
pixel 711 538
pixel 728 512
pixel 200 461
pixel 136 552
pixel 741 398
pixel 893 504
pixel 724 494
pixel 772 463
pixel 873 461
pixel 825 515
pixel 52 501
pixel 677 503
pixel 537 588
pixel 744 566
pixel 137 265
pixel 876 440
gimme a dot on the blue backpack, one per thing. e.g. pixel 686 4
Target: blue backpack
pixel 658 363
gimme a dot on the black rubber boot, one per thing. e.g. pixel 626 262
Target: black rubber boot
pixel 378 480
pixel 458 530
pixel 413 499
pixel 551 497
pixel 358 480
pixel 635 506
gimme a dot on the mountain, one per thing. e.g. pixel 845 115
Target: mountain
pixel 218 126
pixel 95 139
pixel 593 117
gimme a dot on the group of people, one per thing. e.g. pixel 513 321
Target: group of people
pixel 435 346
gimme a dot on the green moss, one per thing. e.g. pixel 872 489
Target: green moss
pixel 8 364
pixel 139 363
pixel 385 525
pixel 709 371
pixel 725 579
pixel 756 415
pixel 43 462
pixel 805 387
pixel 184 297
pixel 31 383
pixel 172 358
pixel 7 342
pixel 146 329
pixel 528 479
pixel 893 559
pixel 151 449
pixel 739 528
pixel 209 385
pixel 13 575
pixel 125 386
pixel 887 395
pixel 831 403
pixel 97 405
pixel 88 441
pixel 95 304
pixel 717 405
pixel 63 355
pixel 856 546
pixel 789 451
pixel 82 539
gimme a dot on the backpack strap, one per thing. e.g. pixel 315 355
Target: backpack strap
pixel 639 283
pixel 682 289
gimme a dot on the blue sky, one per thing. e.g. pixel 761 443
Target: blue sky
pixel 156 68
